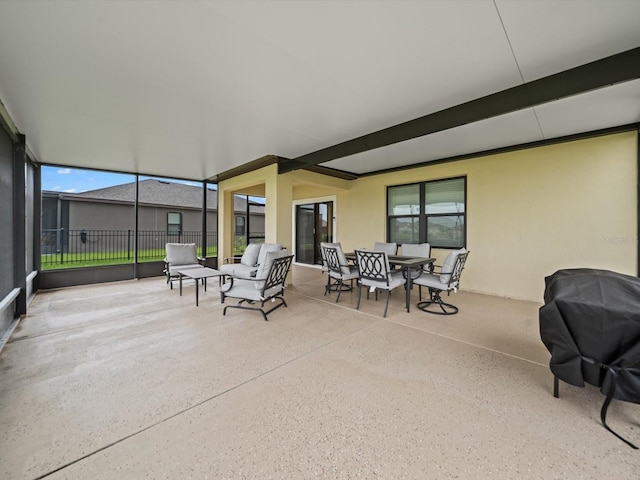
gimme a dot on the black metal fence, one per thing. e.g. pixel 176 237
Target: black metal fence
pixel 74 248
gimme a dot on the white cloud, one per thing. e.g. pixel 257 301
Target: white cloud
pixel 64 171
pixel 71 190
pixel 56 188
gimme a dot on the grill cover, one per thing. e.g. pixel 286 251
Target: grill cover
pixel 590 323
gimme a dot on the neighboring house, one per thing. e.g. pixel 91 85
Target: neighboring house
pixel 167 212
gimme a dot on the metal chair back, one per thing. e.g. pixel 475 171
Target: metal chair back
pixel 373 265
pixel 277 273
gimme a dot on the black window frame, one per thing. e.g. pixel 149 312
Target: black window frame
pixel 243 230
pixel 173 232
pixel 423 217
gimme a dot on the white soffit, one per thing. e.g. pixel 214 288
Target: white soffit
pixel 514 128
pixel 600 109
pixel 549 36
pixel 614 106
pixel 191 89
pixel 375 64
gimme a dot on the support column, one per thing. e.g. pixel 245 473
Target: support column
pixel 37 225
pixel 204 220
pixel 279 199
pixel 19 215
pixel 225 224
pixel 136 219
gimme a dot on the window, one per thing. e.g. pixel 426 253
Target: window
pixel 174 223
pixel 445 212
pixel 240 225
pixel 433 212
pixel 404 213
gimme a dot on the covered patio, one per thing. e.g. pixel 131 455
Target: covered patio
pixel 149 385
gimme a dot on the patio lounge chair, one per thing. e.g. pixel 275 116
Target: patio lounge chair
pixel 180 255
pixel 267 285
pixel 447 280
pixel 248 264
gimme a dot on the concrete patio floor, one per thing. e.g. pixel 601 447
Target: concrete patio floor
pixel 129 380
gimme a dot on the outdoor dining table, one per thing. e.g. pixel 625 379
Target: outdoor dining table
pixel 407 264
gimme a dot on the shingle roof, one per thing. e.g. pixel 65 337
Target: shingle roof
pixel 159 192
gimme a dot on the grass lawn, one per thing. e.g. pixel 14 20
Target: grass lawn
pixel 97 259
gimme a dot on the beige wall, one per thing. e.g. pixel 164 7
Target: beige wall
pixel 529 213
pixel 276 189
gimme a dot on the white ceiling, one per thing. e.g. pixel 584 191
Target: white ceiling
pixel 190 89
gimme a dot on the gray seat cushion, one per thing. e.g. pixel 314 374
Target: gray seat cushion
pixel 238 270
pixel 250 255
pixel 395 280
pixel 431 280
pixel 246 289
pixel 181 253
pixel 449 263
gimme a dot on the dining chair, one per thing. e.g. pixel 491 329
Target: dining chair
pixel 390 247
pixel 374 273
pixel 415 249
pixel 325 267
pixel 338 269
pixel 418 250
pixel 447 280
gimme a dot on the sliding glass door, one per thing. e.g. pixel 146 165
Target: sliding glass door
pixel 314 224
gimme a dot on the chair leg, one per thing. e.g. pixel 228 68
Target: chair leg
pixel 359 295
pixel 339 288
pixel 279 299
pixel 441 307
pixel 386 306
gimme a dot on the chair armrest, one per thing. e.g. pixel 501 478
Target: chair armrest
pixel 414 273
pixel 251 276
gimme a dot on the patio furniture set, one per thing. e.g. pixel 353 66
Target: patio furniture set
pixel 257 278
pixel 382 269
pixel 260 274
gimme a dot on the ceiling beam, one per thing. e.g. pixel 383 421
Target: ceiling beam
pixel 608 71
pixel 332 172
pixel 513 148
pixel 246 168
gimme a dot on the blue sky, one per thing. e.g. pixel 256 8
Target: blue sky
pixel 74 180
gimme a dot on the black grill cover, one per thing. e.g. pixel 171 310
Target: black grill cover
pixel 590 323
